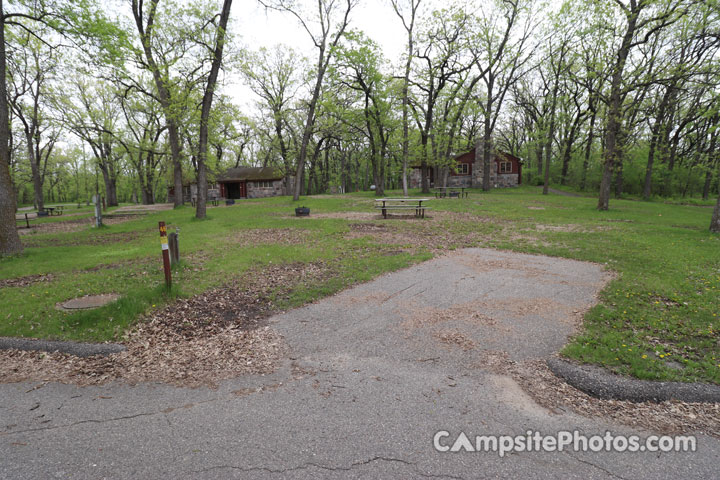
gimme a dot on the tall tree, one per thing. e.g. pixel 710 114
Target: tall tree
pixel 145 22
pixel 639 29
pixel 408 21
pixel 9 238
pixel 441 45
pixel 330 22
pixel 217 54
pixel 72 18
pixel 501 53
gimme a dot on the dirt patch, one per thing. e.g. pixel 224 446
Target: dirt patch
pixel 26 281
pixel 526 306
pixel 368 227
pixel 262 236
pixel 373 298
pixel 197 341
pixel 455 338
pixel 341 215
pixel 570 227
pixel 99 239
pixel 158 207
pixel 72 225
pixel 419 317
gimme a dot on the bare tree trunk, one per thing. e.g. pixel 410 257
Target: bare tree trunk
pixel 424 184
pixel 163 92
pixel 551 134
pixel 706 186
pixel 307 131
pixel 654 139
pixel 35 168
pixel 619 177
pixel 715 222
pixel 200 211
pixel 406 80
pixel 568 149
pixel 9 238
pixel 406 138
pixel 615 113
pixel 487 133
pixel 588 151
pixel 539 156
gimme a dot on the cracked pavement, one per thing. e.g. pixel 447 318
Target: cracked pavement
pixel 372 374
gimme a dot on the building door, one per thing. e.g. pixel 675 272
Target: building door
pixel 243 189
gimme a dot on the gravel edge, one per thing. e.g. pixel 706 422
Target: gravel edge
pixel 73 348
pixel 600 383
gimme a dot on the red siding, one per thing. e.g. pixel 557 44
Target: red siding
pixel 506 157
pixel 468 158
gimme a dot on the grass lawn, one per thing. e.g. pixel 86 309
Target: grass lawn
pixel 657 320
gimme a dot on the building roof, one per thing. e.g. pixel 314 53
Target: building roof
pixel 249 173
pixel 497 155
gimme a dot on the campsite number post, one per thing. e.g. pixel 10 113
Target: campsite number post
pixel 165 253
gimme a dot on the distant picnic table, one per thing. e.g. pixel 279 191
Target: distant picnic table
pixel 404 204
pixel 442 192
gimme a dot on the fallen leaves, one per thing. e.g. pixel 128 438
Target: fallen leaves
pixel 26 281
pixel 196 341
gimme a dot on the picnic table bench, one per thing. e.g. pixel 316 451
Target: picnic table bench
pixel 58 210
pixel 405 204
pixel 27 220
pixel 442 192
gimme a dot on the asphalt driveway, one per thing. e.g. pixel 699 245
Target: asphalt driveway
pixel 372 375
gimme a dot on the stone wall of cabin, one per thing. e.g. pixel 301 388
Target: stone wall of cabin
pixel 415 178
pixel 459 181
pixel 507 180
pixel 255 191
pixel 477 168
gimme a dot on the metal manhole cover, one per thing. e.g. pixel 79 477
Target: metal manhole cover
pixel 90 301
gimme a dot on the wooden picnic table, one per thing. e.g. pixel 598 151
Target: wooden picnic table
pixel 441 192
pixel 403 203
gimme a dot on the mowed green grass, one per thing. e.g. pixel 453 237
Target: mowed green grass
pixel 658 319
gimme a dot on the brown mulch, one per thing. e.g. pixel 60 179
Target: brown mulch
pixel 571 227
pixel 432 233
pixel 192 342
pixel 420 317
pixel 257 236
pixel 72 225
pixel 100 239
pixel 550 392
pixel 26 281
pixel 455 338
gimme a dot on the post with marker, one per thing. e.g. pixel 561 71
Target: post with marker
pixel 165 254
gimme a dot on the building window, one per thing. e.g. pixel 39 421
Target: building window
pixel 264 184
pixel 505 167
pixel 463 169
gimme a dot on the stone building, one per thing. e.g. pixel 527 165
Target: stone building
pixel 505 171
pixel 251 182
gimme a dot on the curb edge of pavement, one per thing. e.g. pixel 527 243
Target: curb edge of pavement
pixel 601 383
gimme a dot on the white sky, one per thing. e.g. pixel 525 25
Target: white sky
pixel 258 27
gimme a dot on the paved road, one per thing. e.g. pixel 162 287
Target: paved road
pixel 374 372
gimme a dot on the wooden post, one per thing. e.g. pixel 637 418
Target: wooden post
pixel 174 248
pixel 165 254
pixel 98 211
